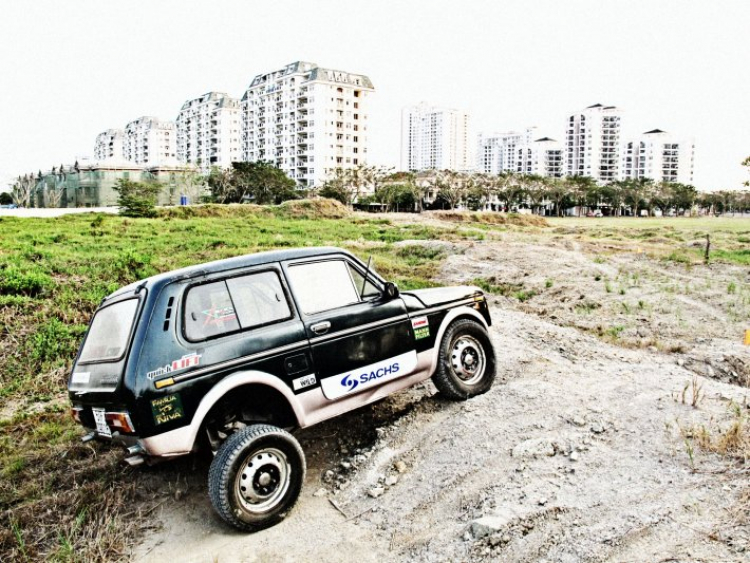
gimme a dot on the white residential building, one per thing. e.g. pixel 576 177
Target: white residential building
pixel 307 120
pixel 208 131
pixel 109 145
pixel 434 138
pixel 498 152
pixel 543 157
pixel 593 143
pixel 658 155
pixel 150 141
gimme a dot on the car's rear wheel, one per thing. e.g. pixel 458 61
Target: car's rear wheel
pixel 256 477
pixel 466 364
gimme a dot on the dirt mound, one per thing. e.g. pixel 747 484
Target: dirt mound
pixel 321 208
pixel 212 210
pixel 491 218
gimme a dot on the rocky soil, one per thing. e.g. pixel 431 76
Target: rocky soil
pixel 580 452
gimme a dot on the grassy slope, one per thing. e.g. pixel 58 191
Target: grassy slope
pixel 53 272
pixel 64 500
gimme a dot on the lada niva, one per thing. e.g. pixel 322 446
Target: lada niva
pixel 233 355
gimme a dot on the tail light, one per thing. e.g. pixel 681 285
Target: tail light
pixel 75 412
pixel 120 421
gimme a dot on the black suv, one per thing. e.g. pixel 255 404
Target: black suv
pixel 232 354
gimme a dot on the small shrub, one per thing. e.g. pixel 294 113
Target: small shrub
pixel 491 285
pixel 54 341
pixel 137 199
pixel 548 283
pixel 14 281
pixel 132 266
pixel 732 288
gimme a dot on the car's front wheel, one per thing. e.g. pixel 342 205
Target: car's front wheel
pixel 256 477
pixel 466 364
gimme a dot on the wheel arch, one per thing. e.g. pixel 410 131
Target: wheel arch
pixel 454 315
pixel 183 440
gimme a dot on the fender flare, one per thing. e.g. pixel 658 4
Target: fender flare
pixel 181 440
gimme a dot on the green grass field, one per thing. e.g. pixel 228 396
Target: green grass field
pixel 63 500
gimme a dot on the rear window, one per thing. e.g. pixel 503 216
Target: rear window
pixel 209 311
pixel 109 332
pixel 229 305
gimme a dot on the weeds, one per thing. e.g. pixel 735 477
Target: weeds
pixel 695 394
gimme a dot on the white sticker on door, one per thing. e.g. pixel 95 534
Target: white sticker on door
pixel 369 376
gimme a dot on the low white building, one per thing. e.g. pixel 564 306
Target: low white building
pixel 208 131
pixel 307 120
pixel 434 138
pixel 660 156
pixel 150 141
pixel 110 145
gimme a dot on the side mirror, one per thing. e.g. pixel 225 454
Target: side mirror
pixel 391 291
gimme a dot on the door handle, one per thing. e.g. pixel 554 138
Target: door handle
pixel 321 328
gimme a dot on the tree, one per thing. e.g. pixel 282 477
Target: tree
pixel 556 190
pixel 580 189
pixel 221 185
pixel 349 184
pixel 5 198
pixel 191 183
pixel 638 193
pixel 261 182
pixel 21 190
pixel 613 194
pixel 452 186
pixel 399 197
pixel 137 199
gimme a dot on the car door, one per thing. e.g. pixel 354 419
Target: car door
pixel 358 337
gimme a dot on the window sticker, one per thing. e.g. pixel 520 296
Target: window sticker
pixel 217 315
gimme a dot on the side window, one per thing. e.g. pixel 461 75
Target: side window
pixel 259 299
pixel 370 291
pixel 320 286
pixel 209 311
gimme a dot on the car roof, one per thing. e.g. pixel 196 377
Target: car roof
pixel 225 265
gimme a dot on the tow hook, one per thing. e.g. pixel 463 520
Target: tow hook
pixel 88 437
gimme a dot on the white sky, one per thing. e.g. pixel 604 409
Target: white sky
pixel 70 70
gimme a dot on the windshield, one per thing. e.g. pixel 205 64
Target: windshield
pixel 109 332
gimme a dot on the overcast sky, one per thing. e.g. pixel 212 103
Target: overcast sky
pixel 73 69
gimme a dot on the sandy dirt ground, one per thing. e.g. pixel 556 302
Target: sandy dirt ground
pixel 578 452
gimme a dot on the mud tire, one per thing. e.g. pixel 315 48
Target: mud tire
pixel 466 363
pixel 256 477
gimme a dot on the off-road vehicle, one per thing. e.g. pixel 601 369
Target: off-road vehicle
pixel 236 353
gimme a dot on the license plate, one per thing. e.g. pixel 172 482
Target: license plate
pixel 101 422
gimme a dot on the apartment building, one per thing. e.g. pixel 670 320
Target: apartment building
pixel 150 141
pixel 307 120
pixel 543 157
pixel 658 155
pixel 593 143
pixel 434 138
pixel 208 131
pixel 110 145
pixel 498 152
